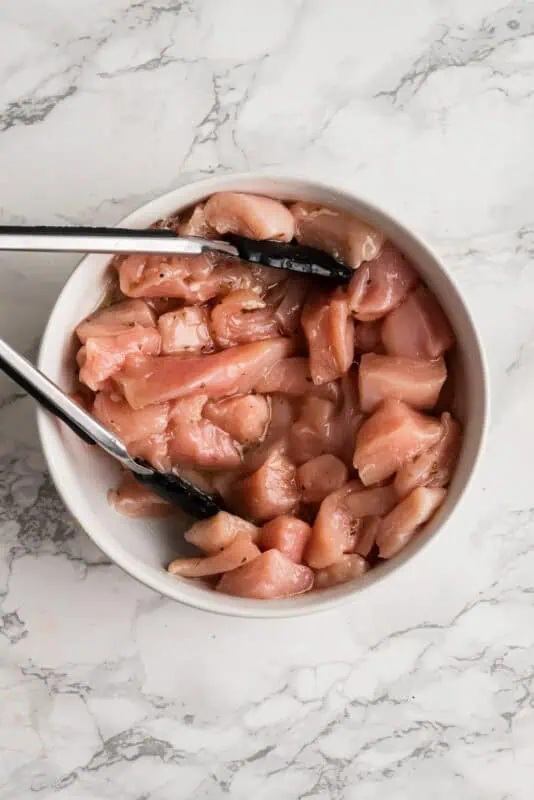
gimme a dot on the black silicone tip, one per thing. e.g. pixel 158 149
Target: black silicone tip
pixel 181 492
pixel 292 257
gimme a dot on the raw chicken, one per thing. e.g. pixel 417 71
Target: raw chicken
pixel 343 235
pixel 195 224
pixel 216 533
pixel 321 476
pixel 335 528
pixel 271 576
pixel 380 285
pixel 435 466
pixel 347 422
pixel 270 491
pixel 238 553
pixel 415 381
pixel 292 376
pixel 233 371
pixel 194 279
pixel 390 438
pixel 105 355
pixel 245 417
pixel 367 536
pixel 287 315
pixel 249 215
pixel 348 568
pixel 129 425
pixel 154 449
pixel 329 331
pixel 131 499
pixel 197 441
pixel 312 434
pixel 418 328
pixel 242 317
pixel 115 319
pixel 373 502
pixel 368 338
pixel 283 414
pixel 185 330
pixel 287 534
pixel 399 526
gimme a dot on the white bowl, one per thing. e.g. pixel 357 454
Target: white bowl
pixel 83 475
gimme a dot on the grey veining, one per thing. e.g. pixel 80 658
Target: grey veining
pixel 109 691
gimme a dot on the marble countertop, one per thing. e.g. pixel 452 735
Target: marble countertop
pixel 426 688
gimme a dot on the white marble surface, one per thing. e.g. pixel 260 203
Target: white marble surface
pixel 426 688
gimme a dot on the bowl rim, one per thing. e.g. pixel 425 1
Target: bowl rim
pixel 247 608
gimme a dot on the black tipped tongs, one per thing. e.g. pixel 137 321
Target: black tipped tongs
pixel 163 241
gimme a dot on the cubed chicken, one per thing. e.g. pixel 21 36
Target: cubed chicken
pixel 348 568
pixel 270 491
pixel 132 499
pixel 380 285
pixel 129 425
pixel 292 376
pixel 416 381
pixel 115 319
pixel 312 434
pixel 343 235
pixel 249 215
pixel 335 528
pixel 196 441
pixel 368 337
pixel 185 330
pixel 321 476
pixel 391 437
pixel 233 371
pixel 271 576
pixel 329 331
pixel 288 311
pixel 245 417
pixel 287 534
pixel 194 223
pixel 242 317
pixel 434 467
pixel 418 328
pixel 218 532
pixel 239 552
pixel 104 356
pixel 404 521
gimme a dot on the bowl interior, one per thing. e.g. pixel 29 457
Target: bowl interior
pixel 83 475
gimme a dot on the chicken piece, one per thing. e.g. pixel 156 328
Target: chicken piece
pixel 129 425
pixel 343 235
pixel 185 330
pixel 434 467
pixel 287 534
pixel 348 568
pixel 197 441
pixel 233 371
pixel 216 533
pixel 391 437
pixel 271 576
pixel 270 491
pixel 195 224
pixel 415 381
pixel 245 417
pixel 242 317
pixel 321 476
pixel 329 331
pixel 193 279
pixel 116 319
pixel 402 523
pixel 311 435
pixel 380 285
pixel 418 328
pixel 288 312
pixel 283 414
pixel 335 528
pixel 104 356
pixel 292 376
pixel 368 337
pixel 348 420
pixel 365 541
pixel 154 449
pixel 249 215
pixel 238 553
pixel 373 502
pixel 131 499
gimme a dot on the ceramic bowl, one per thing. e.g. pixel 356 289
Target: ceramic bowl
pixel 143 548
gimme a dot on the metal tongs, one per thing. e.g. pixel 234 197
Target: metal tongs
pixel 41 238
